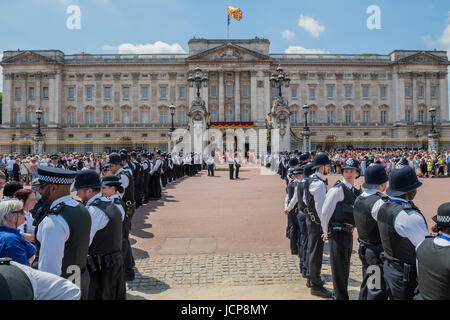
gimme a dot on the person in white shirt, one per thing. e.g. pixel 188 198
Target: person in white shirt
pixel 20 282
pixel 314 197
pixel 230 160
pixel 402 228
pixel 211 165
pixel 237 164
pixel 338 224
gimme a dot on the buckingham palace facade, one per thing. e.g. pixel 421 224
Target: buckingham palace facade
pixel 101 102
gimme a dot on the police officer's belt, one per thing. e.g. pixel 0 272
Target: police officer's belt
pixel 102 261
pixel 403 267
pixel 342 227
pixel 363 244
pixel 312 216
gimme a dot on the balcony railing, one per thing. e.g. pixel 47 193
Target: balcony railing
pixel 120 58
pixel 333 57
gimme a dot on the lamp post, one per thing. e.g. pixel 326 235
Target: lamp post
pixel 39 117
pixel 277 80
pixel 197 80
pixel 38 137
pixel 306 133
pixel 433 136
pixel 172 112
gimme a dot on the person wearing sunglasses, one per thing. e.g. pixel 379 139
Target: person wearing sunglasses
pixel 12 243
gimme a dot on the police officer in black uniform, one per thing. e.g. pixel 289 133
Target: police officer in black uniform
pixel 290 206
pixel 105 263
pixel 433 259
pixel 337 219
pixel 155 174
pixel 171 170
pixel 164 170
pixel 370 247
pixel 54 161
pixel 137 176
pixel 63 232
pixel 315 192
pixel 402 228
pixel 114 162
pixel 146 176
pixel 301 218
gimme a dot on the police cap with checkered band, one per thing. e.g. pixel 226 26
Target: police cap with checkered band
pixel 52 175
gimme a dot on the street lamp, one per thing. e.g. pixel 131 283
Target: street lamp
pixel 433 118
pixel 197 80
pixel 39 117
pixel 277 80
pixel 172 112
pixel 305 111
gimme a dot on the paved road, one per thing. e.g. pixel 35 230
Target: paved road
pixel 216 238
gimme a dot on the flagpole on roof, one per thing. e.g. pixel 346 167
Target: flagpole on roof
pixel 228 24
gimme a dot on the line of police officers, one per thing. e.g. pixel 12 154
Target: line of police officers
pixel 88 242
pixel 400 259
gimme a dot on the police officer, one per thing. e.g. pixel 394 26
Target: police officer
pixel 301 219
pixel 291 207
pixel 137 176
pixel 237 164
pixel 171 171
pixel 63 233
pixel 112 189
pixel 230 161
pixel 54 161
pixel 433 259
pixel 20 282
pixel 402 228
pixel 164 170
pixel 114 162
pixel 370 247
pixel 315 192
pixel 337 219
pixel 210 162
pixel 105 263
pixel 155 174
pixel 145 163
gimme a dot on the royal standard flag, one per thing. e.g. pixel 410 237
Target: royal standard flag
pixel 234 13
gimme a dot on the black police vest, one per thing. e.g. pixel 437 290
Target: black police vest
pixel 136 171
pixel 108 239
pixel 14 283
pixel 76 247
pixel 165 165
pixel 366 225
pixel 146 171
pixel 395 247
pixel 310 203
pixel 290 191
pixel 343 213
pixel 300 191
pixel 129 191
pixel 433 270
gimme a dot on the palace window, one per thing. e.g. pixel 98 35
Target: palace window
pixel 107 117
pixel 294 92
pixel 144 92
pixel 229 116
pixel 366 116
pixel 229 91
pixel 408 115
pixel 213 91
pixel 383 92
pixel 213 116
pixel 330 116
pixel 407 92
pixel 163 92
pixel 181 92
pixel 126 117
pixel 144 117
pixel 365 92
pixel 126 92
pixel 383 115
pixel 163 117
pixel 89 92
pixel 181 117
pixel 71 118
pixel 348 117
pixel 348 92
pixel 18 93
pixel 330 92
pixel 107 92
pixel 294 117
pixel 245 91
pixel 71 93
pixel 312 92
pixel 89 117
pixel 245 116
pixel 31 93
pixel 312 116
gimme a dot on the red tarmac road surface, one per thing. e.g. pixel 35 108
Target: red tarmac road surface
pixel 215 215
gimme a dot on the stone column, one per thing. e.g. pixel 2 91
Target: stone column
pixel 205 92
pixel 53 100
pixel 395 95
pixel 221 94
pixel 428 90
pixel 24 89
pixel 253 96
pixel 7 99
pixel 443 96
pixel 415 111
pixel 116 97
pixel 237 97
pixel 267 75
pixel 401 101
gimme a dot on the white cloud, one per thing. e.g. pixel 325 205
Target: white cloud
pixel 429 41
pixel 302 50
pixel 288 34
pixel 157 47
pixel 311 25
pixel 445 38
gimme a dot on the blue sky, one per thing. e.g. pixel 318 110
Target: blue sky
pixel 166 26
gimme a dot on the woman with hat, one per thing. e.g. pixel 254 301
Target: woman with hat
pixel 402 228
pixel 112 189
pixel 338 224
pixel 12 244
pixel 433 259
pixel 370 247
